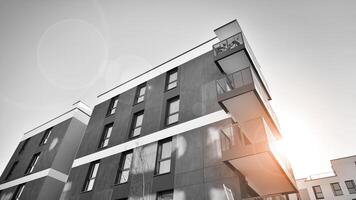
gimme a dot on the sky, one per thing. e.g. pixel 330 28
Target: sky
pixel 53 53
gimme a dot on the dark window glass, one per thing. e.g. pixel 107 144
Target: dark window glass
pixel 137 124
pixel 164 156
pixel 11 170
pixel 124 168
pixel 172 111
pixel 165 195
pixel 140 94
pixel 24 145
pixel 92 172
pixel 46 136
pixel 172 79
pixel 18 192
pixel 113 105
pixel 336 189
pixel 318 192
pixel 32 164
pixel 350 184
pixel 105 137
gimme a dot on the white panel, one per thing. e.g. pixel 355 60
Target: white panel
pixel 47 172
pixel 153 137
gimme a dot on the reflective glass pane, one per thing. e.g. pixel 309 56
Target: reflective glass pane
pixel 174 106
pixel 173 118
pixel 172 77
pixel 165 196
pixel 105 143
pixel 136 132
pixel 90 184
pixel 108 131
pixel 128 159
pixel 166 150
pixel 95 170
pixel 140 99
pixel 164 166
pixel 139 120
pixel 172 85
pixel 124 176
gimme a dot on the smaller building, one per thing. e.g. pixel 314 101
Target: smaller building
pixel 336 185
pixel 39 167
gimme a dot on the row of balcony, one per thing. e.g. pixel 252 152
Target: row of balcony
pixel 250 144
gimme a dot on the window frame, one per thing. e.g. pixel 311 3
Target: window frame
pixel 351 188
pixel 13 166
pixel 113 106
pixel 138 95
pixel 168 82
pixel 164 192
pixel 104 135
pixel 316 193
pixel 159 158
pixel 34 160
pixel 335 190
pixel 18 192
pixel 134 123
pixel 46 136
pixel 89 177
pixel 168 114
pixel 122 168
pixel 24 145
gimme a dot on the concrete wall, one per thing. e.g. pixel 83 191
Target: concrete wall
pixel 197 170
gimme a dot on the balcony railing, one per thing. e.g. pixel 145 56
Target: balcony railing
pixel 242 78
pixel 228 44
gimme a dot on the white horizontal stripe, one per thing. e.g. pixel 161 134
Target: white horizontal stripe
pixel 76 113
pixel 47 172
pixel 153 137
pixel 159 70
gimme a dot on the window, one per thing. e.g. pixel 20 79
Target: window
pixel 172 79
pixel 11 169
pixel 317 192
pixel 172 111
pixel 32 164
pixel 113 105
pixel 164 155
pixel 336 189
pixel 46 136
pixel 350 184
pixel 90 179
pixel 18 192
pixel 24 145
pixel 124 167
pixel 137 124
pixel 165 195
pixel 105 137
pixel 140 94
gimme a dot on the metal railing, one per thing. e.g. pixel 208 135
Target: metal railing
pixel 269 197
pixel 232 135
pixel 228 44
pixel 241 78
pixel 235 80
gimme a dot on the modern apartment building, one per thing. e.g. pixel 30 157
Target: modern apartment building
pixel 198 126
pixel 39 167
pixel 338 185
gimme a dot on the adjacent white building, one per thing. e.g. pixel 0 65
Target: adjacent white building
pixel 337 185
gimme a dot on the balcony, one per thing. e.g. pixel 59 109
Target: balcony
pixel 242 95
pixel 253 152
pixel 233 54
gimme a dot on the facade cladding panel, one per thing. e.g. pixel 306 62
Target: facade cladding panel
pixel 196 172
pixel 57 153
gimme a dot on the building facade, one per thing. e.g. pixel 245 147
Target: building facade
pixel 196 127
pixel 40 165
pixel 338 185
